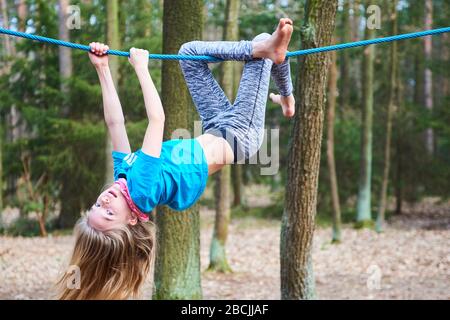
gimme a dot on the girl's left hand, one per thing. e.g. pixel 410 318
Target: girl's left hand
pixel 98 55
pixel 138 58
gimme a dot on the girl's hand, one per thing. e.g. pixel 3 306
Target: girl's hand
pixel 98 55
pixel 138 58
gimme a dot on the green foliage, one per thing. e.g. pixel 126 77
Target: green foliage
pixel 26 227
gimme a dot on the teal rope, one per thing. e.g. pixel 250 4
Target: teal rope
pixel 214 59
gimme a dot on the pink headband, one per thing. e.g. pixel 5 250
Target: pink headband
pixel 124 190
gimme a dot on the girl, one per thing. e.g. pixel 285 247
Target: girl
pixel 114 247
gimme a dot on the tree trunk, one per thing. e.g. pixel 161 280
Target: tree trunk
pixel 398 185
pixel 218 259
pixel 236 169
pixel 345 56
pixel 332 93
pixel 236 173
pixel 12 119
pixel 297 228
pixel 356 19
pixel 428 45
pixel 7 53
pixel 113 41
pixel 70 207
pixel 1 168
pixel 9 48
pixel 65 54
pixel 364 216
pixel 419 73
pixel 22 12
pixel 177 274
pixel 390 110
pixel 446 60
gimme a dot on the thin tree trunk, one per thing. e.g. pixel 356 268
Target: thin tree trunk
pixel 298 221
pixel 428 45
pixel 177 273
pixel 398 149
pixel 22 12
pixel 13 119
pixel 345 55
pixel 332 93
pixel 6 68
pixel 218 259
pixel 236 173
pixel 364 216
pixel 65 54
pixel 390 110
pixel 1 167
pixel 70 207
pixel 113 41
pixel 9 48
pixel 419 73
pixel 445 58
pixel 446 75
pixel 355 20
pixel 217 252
pixel 236 169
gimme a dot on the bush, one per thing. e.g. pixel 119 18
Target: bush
pixel 26 227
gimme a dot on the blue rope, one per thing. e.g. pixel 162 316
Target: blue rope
pixel 214 59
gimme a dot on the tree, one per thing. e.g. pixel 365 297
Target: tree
pixel 22 12
pixel 9 48
pixel 345 56
pixel 297 228
pixel 236 177
pixel 218 258
pixel 355 19
pixel 428 84
pixel 65 54
pixel 70 207
pixel 177 272
pixel 332 93
pixel 390 110
pixel 15 129
pixel 364 216
pixel 5 69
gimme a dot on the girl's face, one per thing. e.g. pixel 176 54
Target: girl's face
pixel 110 211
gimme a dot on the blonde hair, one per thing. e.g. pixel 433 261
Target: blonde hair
pixel 113 264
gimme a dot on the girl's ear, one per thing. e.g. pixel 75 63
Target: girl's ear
pixel 133 219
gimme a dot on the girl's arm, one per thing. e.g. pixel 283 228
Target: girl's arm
pixel 154 135
pixel 114 118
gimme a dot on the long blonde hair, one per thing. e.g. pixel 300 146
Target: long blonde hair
pixel 112 264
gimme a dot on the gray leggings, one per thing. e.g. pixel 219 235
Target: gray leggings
pixel 241 123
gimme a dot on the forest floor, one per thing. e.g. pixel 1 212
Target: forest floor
pixel 410 260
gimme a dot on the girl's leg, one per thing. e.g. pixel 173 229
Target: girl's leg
pixel 243 124
pixel 206 93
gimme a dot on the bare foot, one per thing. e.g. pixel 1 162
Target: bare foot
pixel 276 46
pixel 286 103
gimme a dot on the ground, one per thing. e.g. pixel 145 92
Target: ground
pixel 410 260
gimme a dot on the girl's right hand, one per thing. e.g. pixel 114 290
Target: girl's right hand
pixel 138 58
pixel 98 55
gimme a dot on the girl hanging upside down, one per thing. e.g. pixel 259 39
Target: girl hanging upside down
pixel 114 242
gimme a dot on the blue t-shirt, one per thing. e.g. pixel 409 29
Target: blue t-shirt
pixel 177 178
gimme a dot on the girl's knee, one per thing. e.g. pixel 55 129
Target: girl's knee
pixel 262 36
pixel 188 48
